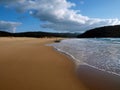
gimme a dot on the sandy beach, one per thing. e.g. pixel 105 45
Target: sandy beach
pixel 27 64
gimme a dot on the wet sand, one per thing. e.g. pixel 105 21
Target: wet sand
pixel 27 64
pixel 96 79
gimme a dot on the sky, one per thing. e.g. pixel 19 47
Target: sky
pixel 57 15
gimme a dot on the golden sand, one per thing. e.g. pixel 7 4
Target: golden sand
pixel 27 64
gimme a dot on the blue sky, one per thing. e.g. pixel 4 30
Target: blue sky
pixel 59 15
pixel 29 23
pixel 99 8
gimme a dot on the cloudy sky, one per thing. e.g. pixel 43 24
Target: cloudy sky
pixel 57 15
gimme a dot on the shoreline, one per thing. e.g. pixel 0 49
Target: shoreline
pixel 87 74
pixel 27 64
pixel 103 80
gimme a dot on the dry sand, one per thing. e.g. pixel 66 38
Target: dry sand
pixel 26 64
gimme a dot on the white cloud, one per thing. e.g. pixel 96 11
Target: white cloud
pixel 8 26
pixel 59 15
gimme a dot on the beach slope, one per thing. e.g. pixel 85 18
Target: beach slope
pixel 27 64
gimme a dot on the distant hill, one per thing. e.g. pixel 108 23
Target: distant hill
pixel 102 32
pixel 37 34
pixel 5 34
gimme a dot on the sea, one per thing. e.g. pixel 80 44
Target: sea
pixel 99 53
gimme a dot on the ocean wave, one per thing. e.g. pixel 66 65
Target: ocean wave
pixel 103 54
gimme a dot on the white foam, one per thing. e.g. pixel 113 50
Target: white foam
pixel 92 52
